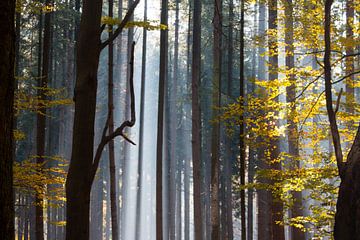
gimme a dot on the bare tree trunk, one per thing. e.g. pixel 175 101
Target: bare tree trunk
pixel 41 116
pixel 7 87
pixel 83 164
pixel 215 136
pixel 263 196
pixel 141 131
pixel 242 124
pixel 196 121
pixel 112 166
pixel 173 135
pixel 160 127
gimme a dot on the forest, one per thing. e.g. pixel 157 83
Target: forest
pixel 179 120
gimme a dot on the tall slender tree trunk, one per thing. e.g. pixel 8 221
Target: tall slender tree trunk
pixel 276 208
pixel 349 64
pixel 229 156
pixel 160 124
pixel 263 196
pixel 215 136
pixel 41 117
pixel 7 58
pixel 293 136
pixel 173 134
pixel 196 121
pixel 141 131
pixel 187 126
pixel 112 166
pixel 242 124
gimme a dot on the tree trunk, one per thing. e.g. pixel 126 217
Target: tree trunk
pixel 78 182
pixel 7 49
pixel 215 136
pixel 173 133
pixel 349 64
pixel 41 116
pixel 276 208
pixel 112 166
pixel 141 130
pixel 196 121
pixel 242 124
pixel 293 136
pixel 160 124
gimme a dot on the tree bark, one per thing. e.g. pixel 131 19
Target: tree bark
pixel 83 164
pixel 196 121
pixel 215 136
pixel 112 166
pixel 7 86
pixel 242 124
pixel 160 124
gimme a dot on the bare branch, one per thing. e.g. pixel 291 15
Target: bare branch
pixel 338 101
pixel 120 130
pixel 308 85
pixel 346 76
pixel 102 27
pixel 121 25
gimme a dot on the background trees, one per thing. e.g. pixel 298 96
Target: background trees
pixel 233 137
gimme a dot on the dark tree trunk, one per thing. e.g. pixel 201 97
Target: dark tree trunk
pixel 196 121
pixel 7 86
pixel 112 166
pixel 160 125
pixel 78 182
pixel 215 136
pixel 83 164
pixel 242 124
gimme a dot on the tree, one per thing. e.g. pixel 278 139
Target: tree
pixel 7 86
pixel 141 130
pixel 41 116
pixel 160 124
pixel 242 125
pixel 112 167
pixel 292 130
pixel 196 121
pixel 83 164
pixel 215 136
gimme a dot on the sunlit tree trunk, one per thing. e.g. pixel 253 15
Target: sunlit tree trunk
pixel 141 130
pixel 292 131
pixel 263 196
pixel 276 208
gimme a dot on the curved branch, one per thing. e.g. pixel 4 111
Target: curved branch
pixel 105 139
pixel 121 25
